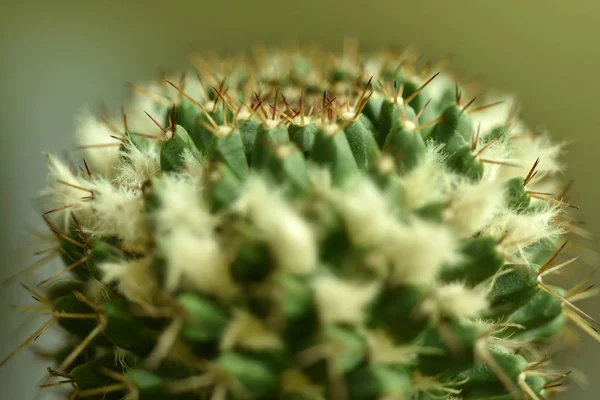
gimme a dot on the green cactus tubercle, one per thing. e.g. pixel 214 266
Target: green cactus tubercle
pixel 301 226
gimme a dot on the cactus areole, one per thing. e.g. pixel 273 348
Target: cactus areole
pixel 305 226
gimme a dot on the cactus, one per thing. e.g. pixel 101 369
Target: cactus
pixel 296 225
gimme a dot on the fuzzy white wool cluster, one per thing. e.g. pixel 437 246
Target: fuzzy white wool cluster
pixel 471 206
pixel 140 162
pixel 426 182
pixel 135 279
pixel 383 350
pixel 522 230
pixel 101 208
pixel 118 212
pixel 197 262
pixel 418 250
pixel 500 150
pixel 455 300
pixel 185 230
pixel 366 213
pixel 181 206
pixel 342 301
pixel 526 149
pixel 100 144
pixel 66 189
pixel 290 238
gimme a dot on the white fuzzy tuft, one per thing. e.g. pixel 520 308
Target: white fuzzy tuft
pixel 342 301
pixel 184 227
pixel 140 163
pixel 59 178
pixel 472 206
pixel 197 262
pixel 425 183
pixel 135 279
pixel 116 212
pixel 383 350
pixel 365 212
pixel 103 159
pixel 182 206
pixel 65 188
pixel 418 251
pixel 522 230
pixel 499 150
pixel 526 149
pixel 290 238
pixel 247 332
pixel 455 300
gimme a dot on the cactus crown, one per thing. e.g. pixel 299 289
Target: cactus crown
pixel 298 225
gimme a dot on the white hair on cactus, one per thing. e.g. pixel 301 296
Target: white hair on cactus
pixel 100 148
pixel 365 212
pixel 520 230
pixel 471 206
pixel 418 250
pixel 455 300
pixel 182 206
pixel 425 183
pixel 500 149
pixel 342 301
pixel 527 148
pixel 140 162
pixel 60 176
pixel 67 189
pixel 116 212
pixel 135 279
pixel 290 238
pixel 185 226
pixel 196 262
pixel 383 350
pixel 248 332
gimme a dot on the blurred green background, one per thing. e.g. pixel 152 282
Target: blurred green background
pixel 61 55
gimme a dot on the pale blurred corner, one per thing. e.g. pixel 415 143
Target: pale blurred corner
pixel 58 56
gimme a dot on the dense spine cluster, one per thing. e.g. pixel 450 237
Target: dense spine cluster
pixel 296 225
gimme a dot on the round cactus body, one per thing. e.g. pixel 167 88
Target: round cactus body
pixel 303 226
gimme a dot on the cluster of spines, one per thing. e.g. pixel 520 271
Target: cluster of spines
pixel 326 245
